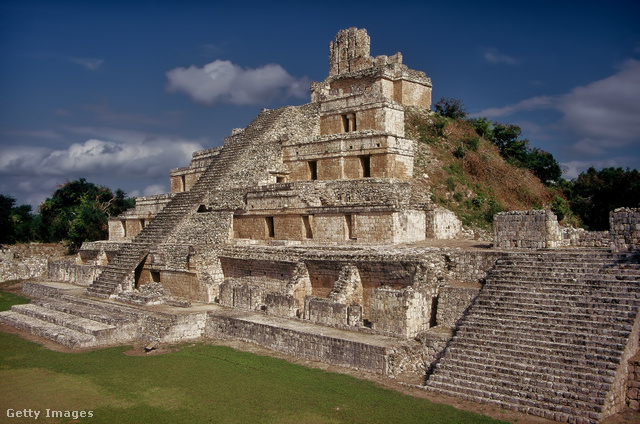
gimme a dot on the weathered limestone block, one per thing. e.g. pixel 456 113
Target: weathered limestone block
pixel 535 229
pixel 401 313
pixel 442 224
pixel 282 305
pixel 326 312
pixel 624 227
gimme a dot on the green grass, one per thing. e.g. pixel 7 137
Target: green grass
pixel 8 299
pixel 199 383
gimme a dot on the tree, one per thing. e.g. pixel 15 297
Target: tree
pixel 544 166
pixel 596 193
pixel 451 108
pixel 25 224
pixel 78 211
pixel 517 152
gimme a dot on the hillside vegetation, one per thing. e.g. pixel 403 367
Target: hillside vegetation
pixel 467 173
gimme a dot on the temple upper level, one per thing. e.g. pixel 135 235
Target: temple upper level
pixel 354 72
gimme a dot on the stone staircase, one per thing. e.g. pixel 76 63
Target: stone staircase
pixel 110 281
pixel 74 321
pixel 545 336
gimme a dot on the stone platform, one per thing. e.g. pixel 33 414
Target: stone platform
pixel 63 313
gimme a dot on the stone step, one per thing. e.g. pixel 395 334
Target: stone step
pixel 594 367
pixel 544 327
pixel 551 291
pixel 580 399
pixel 59 334
pixel 528 346
pixel 577 377
pixel 99 330
pixel 100 314
pixel 519 338
pixel 626 309
pixel 526 405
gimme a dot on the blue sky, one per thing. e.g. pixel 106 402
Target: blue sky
pixel 119 92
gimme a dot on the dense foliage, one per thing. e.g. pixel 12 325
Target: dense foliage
pixel 595 193
pixel 586 200
pixel 77 211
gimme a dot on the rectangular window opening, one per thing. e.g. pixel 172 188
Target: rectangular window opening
pixel 270 227
pixel 434 312
pixel 307 226
pixel 350 232
pixel 365 165
pixel 345 123
pixel 313 170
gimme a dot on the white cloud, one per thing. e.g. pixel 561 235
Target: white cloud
pixel 599 116
pixel 88 63
pixel 144 157
pixel 224 82
pixel 494 56
pixel 606 111
pixel 574 168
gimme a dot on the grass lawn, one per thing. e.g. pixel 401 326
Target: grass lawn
pixel 199 383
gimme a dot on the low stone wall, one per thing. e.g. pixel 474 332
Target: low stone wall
pixel 70 272
pixel 577 237
pixel 315 347
pixel 535 229
pixel 625 229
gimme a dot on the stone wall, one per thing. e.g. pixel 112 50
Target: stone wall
pixel 129 224
pixel 69 271
pixel 342 156
pixel 312 346
pixel 400 313
pixel 578 237
pixel 442 224
pixel 625 229
pixel 452 303
pixel 271 276
pixel 534 229
pixel 25 261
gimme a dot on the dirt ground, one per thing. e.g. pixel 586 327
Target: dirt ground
pixel 626 417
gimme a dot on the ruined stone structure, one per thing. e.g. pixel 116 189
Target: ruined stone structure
pixel 307 233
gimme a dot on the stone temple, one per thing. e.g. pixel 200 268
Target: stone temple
pixel 308 233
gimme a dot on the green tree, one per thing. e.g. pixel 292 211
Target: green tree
pixel 596 193
pixel 506 138
pixel 450 108
pixel 25 224
pixel 78 211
